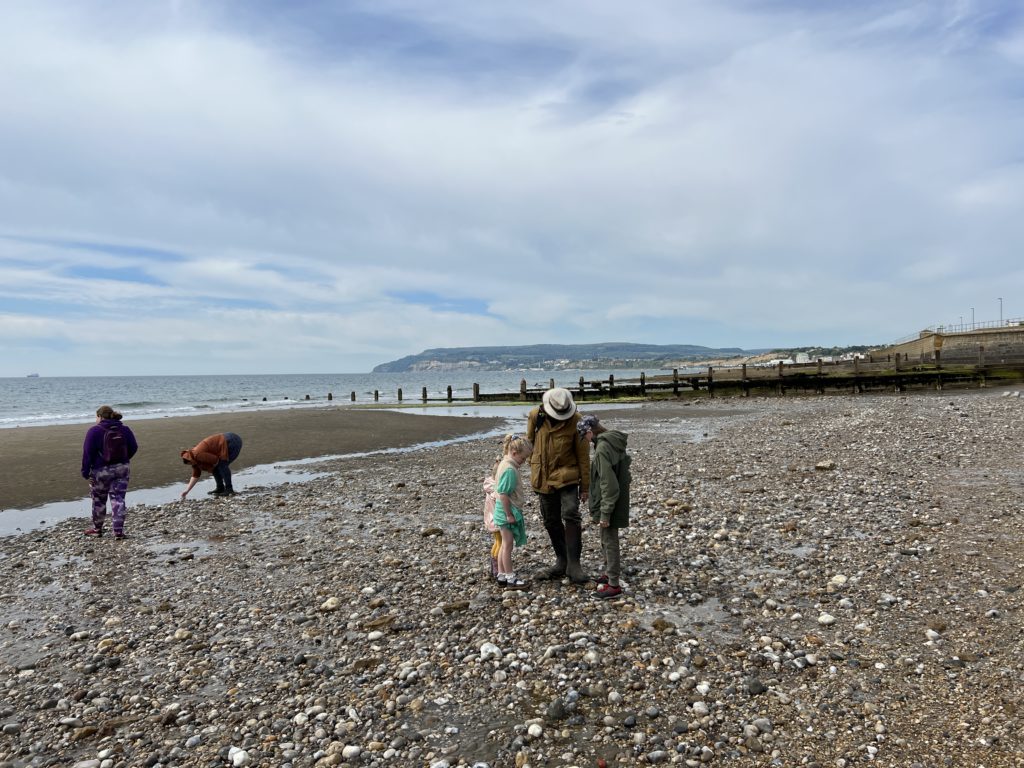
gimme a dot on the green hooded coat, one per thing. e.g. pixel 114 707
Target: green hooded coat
pixel 609 479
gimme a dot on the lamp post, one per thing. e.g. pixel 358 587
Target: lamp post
pixel 972 318
pixel 1000 311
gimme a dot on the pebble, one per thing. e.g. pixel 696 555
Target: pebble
pixel 314 625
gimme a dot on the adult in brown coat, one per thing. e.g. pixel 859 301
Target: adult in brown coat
pixel 214 455
pixel 560 475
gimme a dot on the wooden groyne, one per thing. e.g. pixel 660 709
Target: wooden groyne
pixel 852 376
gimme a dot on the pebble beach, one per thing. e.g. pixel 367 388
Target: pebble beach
pixel 814 581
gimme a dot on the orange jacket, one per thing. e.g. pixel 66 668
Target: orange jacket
pixel 206 455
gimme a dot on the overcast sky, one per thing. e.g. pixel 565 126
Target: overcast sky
pixel 205 186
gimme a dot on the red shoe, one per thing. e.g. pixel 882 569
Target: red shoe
pixel 97 532
pixel 607 592
pixel 602 579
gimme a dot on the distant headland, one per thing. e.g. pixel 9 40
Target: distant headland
pixel 562 356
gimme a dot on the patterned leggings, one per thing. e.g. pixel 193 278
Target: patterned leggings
pixel 109 482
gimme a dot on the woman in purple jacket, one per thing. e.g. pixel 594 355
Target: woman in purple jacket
pixel 106 453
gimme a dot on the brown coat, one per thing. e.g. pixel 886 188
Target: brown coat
pixel 205 456
pixel 560 456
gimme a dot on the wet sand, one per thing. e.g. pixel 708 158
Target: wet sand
pixel 43 464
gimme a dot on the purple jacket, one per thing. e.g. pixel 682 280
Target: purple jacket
pixel 92 449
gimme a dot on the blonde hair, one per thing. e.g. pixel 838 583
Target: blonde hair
pixel 516 443
pixel 106 412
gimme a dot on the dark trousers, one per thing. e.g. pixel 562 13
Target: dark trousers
pixel 561 506
pixel 610 549
pixel 222 472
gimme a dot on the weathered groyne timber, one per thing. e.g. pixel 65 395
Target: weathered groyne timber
pixel 809 378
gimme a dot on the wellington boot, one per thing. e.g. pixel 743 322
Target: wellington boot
pixel 574 548
pixel 575 572
pixel 557 571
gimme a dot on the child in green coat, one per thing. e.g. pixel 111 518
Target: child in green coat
pixel 609 497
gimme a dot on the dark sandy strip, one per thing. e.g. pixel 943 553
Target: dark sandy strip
pixel 43 464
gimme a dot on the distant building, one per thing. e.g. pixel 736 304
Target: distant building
pixel 978 346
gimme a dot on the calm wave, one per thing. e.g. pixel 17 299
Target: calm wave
pixel 73 400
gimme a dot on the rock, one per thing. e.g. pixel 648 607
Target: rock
pixel 330 604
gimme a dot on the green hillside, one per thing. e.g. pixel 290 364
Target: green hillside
pixel 554 356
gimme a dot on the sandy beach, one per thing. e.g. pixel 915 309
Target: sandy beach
pixel 43 464
pixel 825 582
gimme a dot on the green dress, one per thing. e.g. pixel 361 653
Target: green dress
pixel 508 483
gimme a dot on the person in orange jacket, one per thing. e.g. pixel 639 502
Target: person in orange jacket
pixel 213 455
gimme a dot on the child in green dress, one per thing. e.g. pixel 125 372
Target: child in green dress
pixel 508 508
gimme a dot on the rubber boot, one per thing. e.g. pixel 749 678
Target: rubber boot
pixel 228 490
pixel 556 532
pixel 574 548
pixel 219 490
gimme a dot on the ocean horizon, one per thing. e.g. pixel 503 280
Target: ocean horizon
pixel 50 400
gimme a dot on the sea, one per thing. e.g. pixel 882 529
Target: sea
pixel 44 401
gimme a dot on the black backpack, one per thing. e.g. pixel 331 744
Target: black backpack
pixel 115 445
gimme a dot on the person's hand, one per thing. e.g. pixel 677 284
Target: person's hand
pixel 183 495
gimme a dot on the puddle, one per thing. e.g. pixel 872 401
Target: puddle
pixel 517 412
pixel 181 550
pixel 706 620
pixel 14 521
pixel 802 552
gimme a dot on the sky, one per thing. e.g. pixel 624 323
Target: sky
pixel 254 186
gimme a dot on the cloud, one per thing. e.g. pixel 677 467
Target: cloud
pixel 318 186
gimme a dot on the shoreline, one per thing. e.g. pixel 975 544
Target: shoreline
pixel 43 463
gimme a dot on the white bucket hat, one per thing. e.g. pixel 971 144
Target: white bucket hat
pixel 558 404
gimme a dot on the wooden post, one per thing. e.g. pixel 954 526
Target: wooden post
pixel 551 383
pixel 307 397
pixel 449 393
pixel 675 382
pixel 744 381
pixel 353 396
pixel 330 396
pixel 711 381
pixel 856 366
pixel 476 392
pixel 522 389
pixel 399 394
pixel 611 385
pixel 424 394
pixel 643 383
pixel 583 388
pixel 938 358
pixel 821 387
pixel 376 396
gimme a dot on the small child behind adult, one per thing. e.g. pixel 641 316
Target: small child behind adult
pixel 508 507
pixel 609 497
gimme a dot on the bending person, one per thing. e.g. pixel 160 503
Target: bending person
pixel 213 455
